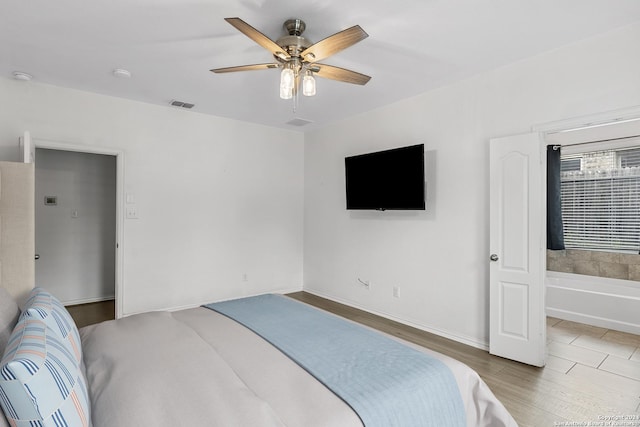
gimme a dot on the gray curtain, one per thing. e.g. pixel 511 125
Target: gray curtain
pixel 555 234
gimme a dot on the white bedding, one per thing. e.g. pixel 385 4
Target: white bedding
pixel 197 367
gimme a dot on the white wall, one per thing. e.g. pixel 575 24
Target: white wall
pixel 76 238
pixel 216 198
pixel 219 198
pixel 439 258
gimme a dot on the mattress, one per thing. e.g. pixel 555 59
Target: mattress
pixel 198 367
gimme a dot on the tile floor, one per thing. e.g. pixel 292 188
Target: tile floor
pixel 606 356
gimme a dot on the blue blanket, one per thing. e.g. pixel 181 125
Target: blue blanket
pixel 385 382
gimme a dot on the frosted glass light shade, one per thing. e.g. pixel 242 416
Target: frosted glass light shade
pixel 287 79
pixel 308 85
pixel 286 93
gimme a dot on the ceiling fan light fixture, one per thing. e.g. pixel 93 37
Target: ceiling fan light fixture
pixel 287 78
pixel 287 82
pixel 297 56
pixel 286 93
pixel 308 84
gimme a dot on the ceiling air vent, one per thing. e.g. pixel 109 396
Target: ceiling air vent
pixel 181 104
pixel 299 122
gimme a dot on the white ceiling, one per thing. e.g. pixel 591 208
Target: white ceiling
pixel 169 46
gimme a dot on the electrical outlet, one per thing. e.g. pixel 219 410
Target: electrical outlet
pixel 132 212
pixel 245 277
pixel 396 291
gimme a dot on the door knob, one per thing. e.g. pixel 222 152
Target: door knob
pixel 493 257
pixel 37 256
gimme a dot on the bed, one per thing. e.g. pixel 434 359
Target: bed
pixel 194 367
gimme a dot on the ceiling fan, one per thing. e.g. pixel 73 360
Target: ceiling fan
pixel 298 57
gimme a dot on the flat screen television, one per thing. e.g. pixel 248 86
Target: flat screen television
pixel 390 179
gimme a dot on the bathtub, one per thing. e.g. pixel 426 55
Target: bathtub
pixel 597 301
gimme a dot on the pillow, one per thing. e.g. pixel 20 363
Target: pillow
pixel 44 306
pixel 3 420
pixel 41 382
pixel 9 313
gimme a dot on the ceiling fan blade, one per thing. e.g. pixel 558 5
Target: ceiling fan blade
pixel 334 44
pixel 340 74
pixel 258 37
pixel 244 68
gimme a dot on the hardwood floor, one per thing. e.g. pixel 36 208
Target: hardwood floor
pixel 577 387
pixel 591 372
pixel 95 312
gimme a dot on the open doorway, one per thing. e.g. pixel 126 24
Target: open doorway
pixel 75 223
pixel 78 225
pixel 517 210
pixel 594 278
pixel 592 287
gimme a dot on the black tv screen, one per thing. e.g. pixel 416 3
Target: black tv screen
pixel 390 179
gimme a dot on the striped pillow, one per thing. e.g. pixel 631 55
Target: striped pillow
pixel 41 381
pixel 44 306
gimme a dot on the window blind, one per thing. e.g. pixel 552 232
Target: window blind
pixel 600 193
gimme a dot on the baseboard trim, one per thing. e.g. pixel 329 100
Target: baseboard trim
pixel 189 306
pixel 454 337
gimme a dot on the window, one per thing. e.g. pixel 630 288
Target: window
pixel 600 193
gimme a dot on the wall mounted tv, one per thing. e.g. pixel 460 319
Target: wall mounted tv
pixel 390 179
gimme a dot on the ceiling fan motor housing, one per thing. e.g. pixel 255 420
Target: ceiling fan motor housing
pixel 294 43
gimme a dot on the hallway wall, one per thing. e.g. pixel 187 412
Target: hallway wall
pixel 76 237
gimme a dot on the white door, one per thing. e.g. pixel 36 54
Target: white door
pixel 517 247
pixel 17 228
